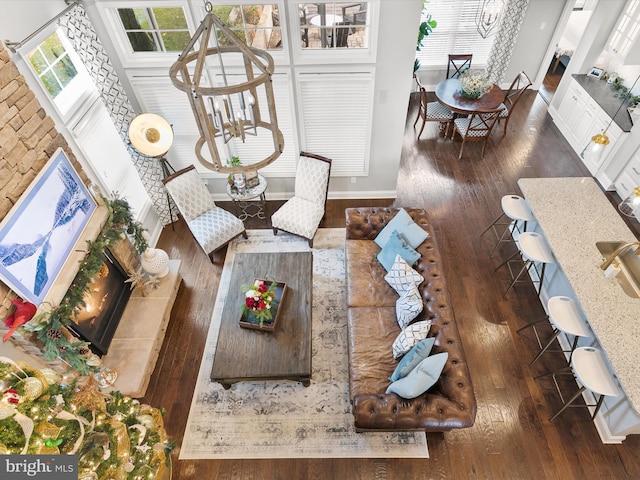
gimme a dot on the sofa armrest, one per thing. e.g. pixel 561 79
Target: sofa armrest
pixel 366 223
pixel 429 412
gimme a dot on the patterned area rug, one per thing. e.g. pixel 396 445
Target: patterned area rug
pixel 283 419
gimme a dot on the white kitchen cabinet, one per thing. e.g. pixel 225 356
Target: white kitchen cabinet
pixel 579 118
pixel 623 43
pixel 629 178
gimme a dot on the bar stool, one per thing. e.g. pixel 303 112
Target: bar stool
pixel 516 209
pixel 565 317
pixel 592 372
pixel 534 249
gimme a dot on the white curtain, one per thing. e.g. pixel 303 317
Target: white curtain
pixel 502 49
pixel 84 38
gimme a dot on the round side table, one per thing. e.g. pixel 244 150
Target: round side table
pixel 250 202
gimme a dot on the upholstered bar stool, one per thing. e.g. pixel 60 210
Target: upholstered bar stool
pixel 534 250
pixel 565 317
pixel 590 368
pixel 516 209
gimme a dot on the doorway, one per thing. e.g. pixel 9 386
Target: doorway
pixel 568 42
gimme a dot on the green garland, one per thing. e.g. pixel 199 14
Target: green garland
pixel 122 438
pixel 47 326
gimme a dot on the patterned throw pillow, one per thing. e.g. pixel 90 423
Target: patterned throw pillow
pixel 421 378
pixel 402 277
pixel 408 306
pixel 412 358
pixel 413 233
pixel 409 336
pixel 397 245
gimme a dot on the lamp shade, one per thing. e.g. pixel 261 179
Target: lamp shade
pixel 150 134
pixel 630 206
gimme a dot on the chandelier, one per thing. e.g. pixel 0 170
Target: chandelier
pixel 487 16
pixel 228 110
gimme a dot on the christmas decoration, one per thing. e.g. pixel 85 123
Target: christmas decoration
pixel 48 327
pixel 115 437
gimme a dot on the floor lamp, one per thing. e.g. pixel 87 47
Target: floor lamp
pixel 152 136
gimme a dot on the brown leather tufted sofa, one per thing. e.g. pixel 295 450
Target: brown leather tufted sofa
pixel 372 328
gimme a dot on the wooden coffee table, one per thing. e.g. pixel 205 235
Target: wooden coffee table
pixel 245 354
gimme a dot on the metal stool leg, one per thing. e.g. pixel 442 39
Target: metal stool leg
pixel 568 403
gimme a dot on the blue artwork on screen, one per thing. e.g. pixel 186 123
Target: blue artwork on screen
pixel 38 234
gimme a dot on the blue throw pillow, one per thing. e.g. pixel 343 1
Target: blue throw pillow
pixel 412 358
pixel 421 378
pixel 397 245
pixel 413 233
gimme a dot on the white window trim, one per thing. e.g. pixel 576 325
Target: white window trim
pixel 109 13
pixel 78 94
pixel 327 56
pixel 362 71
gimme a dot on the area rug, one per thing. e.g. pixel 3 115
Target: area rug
pixel 284 419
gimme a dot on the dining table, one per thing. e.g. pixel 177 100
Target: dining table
pixel 448 93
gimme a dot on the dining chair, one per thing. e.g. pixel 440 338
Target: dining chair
pixel 342 32
pixel 476 127
pixel 458 64
pixel 212 227
pixel 302 213
pixel 355 17
pixel 431 111
pixel 511 98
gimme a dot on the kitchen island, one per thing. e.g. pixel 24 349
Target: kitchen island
pixel 574 214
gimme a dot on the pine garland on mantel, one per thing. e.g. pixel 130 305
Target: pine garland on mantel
pixel 49 327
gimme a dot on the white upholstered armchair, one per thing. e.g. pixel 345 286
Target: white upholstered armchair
pixel 212 226
pixel 302 214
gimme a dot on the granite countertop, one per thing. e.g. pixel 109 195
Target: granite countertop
pixel 574 214
pixel 603 94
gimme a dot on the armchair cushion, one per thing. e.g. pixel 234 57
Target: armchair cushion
pixel 299 216
pixel 214 228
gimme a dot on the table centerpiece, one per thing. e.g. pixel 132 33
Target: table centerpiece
pixel 474 84
pixel 261 304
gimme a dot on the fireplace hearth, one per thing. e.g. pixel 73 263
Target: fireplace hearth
pixel 105 301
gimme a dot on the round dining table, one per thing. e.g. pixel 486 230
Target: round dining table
pixel 448 94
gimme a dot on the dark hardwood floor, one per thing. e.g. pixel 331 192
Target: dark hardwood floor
pixel 512 437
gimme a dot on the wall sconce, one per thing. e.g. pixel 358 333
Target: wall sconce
pixel 231 110
pixel 488 16
pixel 630 206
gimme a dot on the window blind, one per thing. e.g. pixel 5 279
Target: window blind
pixel 158 95
pixel 336 118
pixel 455 33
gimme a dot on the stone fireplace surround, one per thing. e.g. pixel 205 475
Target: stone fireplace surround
pixel 28 138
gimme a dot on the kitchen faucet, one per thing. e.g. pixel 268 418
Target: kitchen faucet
pixel 608 261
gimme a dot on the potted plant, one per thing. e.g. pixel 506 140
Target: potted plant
pixel 424 29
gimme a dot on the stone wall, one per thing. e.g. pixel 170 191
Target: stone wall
pixel 28 138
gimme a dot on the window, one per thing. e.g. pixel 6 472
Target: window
pixel 155 29
pixel 334 25
pixel 456 33
pixel 338 106
pixel 61 73
pixel 257 25
pixel 52 64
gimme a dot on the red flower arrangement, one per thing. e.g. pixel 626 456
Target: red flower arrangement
pixel 258 299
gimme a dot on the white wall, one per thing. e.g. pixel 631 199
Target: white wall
pixel 21 17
